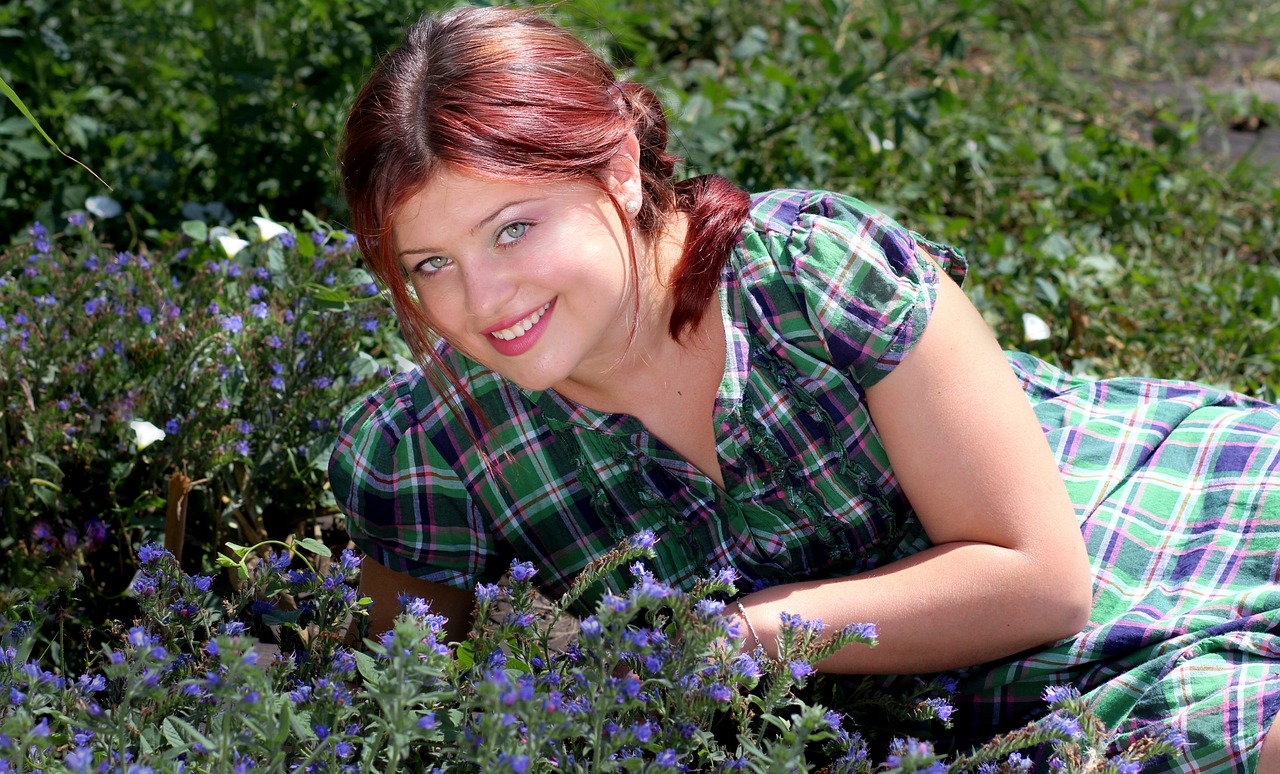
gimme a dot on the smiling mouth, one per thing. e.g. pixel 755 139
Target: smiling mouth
pixel 522 327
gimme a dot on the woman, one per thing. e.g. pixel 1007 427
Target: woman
pixel 789 384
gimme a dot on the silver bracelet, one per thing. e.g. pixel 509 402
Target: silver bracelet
pixel 754 637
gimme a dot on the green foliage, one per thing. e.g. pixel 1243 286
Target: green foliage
pixel 1007 127
pixel 957 117
pixel 652 682
pixel 178 103
pixel 118 370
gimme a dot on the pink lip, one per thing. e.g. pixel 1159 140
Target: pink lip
pixel 523 344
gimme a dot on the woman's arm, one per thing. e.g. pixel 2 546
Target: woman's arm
pixel 1008 569
pixel 385 586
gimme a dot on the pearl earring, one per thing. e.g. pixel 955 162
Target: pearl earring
pixel 632 207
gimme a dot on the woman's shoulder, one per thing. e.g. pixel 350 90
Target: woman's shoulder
pixel 836 278
pixel 784 209
pixel 413 403
pixel 812 244
pixel 797 227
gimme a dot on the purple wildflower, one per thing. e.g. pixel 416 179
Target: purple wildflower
pixel 941 708
pixel 522 571
pixel 487 592
pixel 1056 694
pixel 591 627
pixel 746 666
pixel 644 539
pixel 709 608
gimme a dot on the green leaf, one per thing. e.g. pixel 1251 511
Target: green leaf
pixel 327 294
pixel 46 484
pixel 368 667
pixel 22 108
pixel 465 656
pixel 282 617
pixel 301 724
pixel 171 734
pixel 314 546
pixel 306 248
pixel 196 229
pixel 177 728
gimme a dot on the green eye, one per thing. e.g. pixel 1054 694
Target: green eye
pixel 512 232
pixel 432 265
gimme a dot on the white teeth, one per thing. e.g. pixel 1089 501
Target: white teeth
pixel 522 327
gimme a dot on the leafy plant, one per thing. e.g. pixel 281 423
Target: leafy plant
pixel 654 681
pixel 189 391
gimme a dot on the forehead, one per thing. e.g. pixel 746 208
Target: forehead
pixel 454 193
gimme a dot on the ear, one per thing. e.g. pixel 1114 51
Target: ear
pixel 624 171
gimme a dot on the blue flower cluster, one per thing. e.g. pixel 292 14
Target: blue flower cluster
pixel 654 682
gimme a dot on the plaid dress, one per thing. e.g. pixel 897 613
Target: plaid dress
pixel 1177 485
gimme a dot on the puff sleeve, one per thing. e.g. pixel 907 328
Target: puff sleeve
pixel 394 472
pixel 863 286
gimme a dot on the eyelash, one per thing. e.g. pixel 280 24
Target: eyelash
pixel 422 269
pixel 520 223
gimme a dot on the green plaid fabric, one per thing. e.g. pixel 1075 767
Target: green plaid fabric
pixel 1177 485
pixel 1178 490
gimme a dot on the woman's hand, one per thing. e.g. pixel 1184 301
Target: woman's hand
pixel 385 586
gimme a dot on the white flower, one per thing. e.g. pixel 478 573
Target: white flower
pixel 232 245
pixel 103 206
pixel 268 229
pixel 403 364
pixel 1034 328
pixel 145 433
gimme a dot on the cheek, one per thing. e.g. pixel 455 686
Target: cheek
pixel 443 312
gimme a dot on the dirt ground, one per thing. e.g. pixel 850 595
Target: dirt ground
pixel 1240 77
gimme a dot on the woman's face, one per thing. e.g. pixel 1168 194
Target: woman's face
pixel 531 280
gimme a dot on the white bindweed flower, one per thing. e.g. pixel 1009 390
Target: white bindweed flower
pixel 145 433
pixel 1034 328
pixel 103 206
pixel 268 229
pixel 232 245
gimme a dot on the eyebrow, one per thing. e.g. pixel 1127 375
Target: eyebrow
pixel 484 222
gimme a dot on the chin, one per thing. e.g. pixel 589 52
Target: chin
pixel 531 383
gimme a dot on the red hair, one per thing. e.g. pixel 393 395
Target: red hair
pixel 504 94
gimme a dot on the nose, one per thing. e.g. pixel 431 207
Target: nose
pixel 489 287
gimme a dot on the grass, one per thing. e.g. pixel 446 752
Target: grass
pixel 1041 138
pixel 1099 204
